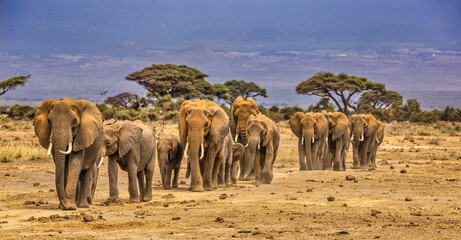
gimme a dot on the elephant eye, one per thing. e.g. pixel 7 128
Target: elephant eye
pixel 206 124
pixel 107 142
pixel 74 121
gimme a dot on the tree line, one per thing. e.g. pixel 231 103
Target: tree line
pixel 168 85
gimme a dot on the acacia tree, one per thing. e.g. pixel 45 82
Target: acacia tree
pixel 244 89
pixel 380 99
pixel 124 99
pixel 12 83
pixel 339 88
pixel 176 80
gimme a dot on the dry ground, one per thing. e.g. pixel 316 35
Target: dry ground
pixel 423 203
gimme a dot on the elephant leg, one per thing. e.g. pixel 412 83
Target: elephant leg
pixel 169 170
pixel 208 172
pixel 217 167
pixel 75 167
pixel 364 155
pixel 141 185
pixel 257 168
pixel 267 170
pixel 315 155
pixel 337 157
pixel 113 177
pixel 85 178
pixel 242 165
pixel 222 173
pixel 302 156
pixel 132 186
pixel 162 169
pixel 175 179
pixel 234 172
pixel 343 158
pixel 93 184
pixel 227 169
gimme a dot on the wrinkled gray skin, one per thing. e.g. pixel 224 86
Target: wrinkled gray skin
pixel 131 146
pixel 169 154
pixel 79 124
pixel 263 143
pixel 338 140
pixel 363 134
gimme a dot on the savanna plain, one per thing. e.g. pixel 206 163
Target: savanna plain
pixel 414 193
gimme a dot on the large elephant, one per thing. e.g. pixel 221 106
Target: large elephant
pixel 203 126
pixel 241 110
pixel 72 131
pixel 263 143
pixel 338 140
pixel 373 149
pixel 312 131
pixel 363 133
pixel 170 154
pixel 131 146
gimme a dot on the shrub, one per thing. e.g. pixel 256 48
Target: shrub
pixel 275 116
pixel 274 109
pixel 171 115
pixel 262 109
pixel 424 117
pixel 22 111
pixel 287 112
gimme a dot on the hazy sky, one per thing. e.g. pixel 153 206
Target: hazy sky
pixel 57 26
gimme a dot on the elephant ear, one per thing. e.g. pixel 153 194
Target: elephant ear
pixel 128 135
pixel 341 124
pixel 91 125
pixel 295 124
pixel 322 125
pixel 182 121
pixel 269 132
pixel 41 125
pixel 219 127
pixel 233 123
pixel 372 125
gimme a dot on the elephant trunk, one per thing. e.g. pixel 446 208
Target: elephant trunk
pixel 60 140
pixel 308 141
pixel 357 135
pixel 242 132
pixel 162 162
pixel 254 145
pixel 195 141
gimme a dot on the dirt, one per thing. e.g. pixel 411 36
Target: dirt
pixel 423 203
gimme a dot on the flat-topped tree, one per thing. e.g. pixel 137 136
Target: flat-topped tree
pixel 176 80
pixel 380 99
pixel 12 83
pixel 340 88
pixel 244 89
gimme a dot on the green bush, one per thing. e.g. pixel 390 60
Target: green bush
pixel 22 111
pixel 171 115
pixel 424 117
pixel 275 116
pixel 288 112
pixel 274 109
pixel 262 109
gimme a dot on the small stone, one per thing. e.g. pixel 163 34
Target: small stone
pixel 223 196
pixel 309 189
pixel 52 190
pixel 343 233
pixel 176 218
pixel 330 198
pixel 450 179
pixel 391 167
pixel 403 171
pixel 7 174
pixel 408 199
pixel 219 220
pixel 166 205
pixel 101 217
pixel 36 184
pixel 32 218
pixel 375 212
pixel 182 182
pixel 344 205
pixel 88 218
pixel 407 166
pixel 350 178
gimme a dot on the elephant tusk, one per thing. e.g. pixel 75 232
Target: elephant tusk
pixel 100 162
pixel 49 149
pixel 236 137
pixel 185 150
pixel 203 151
pixel 69 149
pixel 258 146
pixel 313 139
pixel 302 140
pixel 352 138
pixel 377 139
pixel 247 145
pixel 361 138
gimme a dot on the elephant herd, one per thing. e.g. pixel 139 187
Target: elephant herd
pixel 219 149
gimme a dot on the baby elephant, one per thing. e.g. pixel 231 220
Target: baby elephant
pixel 170 154
pixel 131 146
pixel 238 152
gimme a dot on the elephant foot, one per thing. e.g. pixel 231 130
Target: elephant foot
pixel 355 167
pixel 222 185
pixel 69 206
pixel 242 179
pixel 208 187
pixel 83 204
pixel 133 200
pixel 175 186
pixel 303 168
pixel 90 200
pixel 197 189
pixel 167 187
pixel 147 197
pixel 234 180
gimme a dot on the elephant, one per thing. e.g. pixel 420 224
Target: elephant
pixel 338 140
pixel 72 131
pixel 241 110
pixel 203 126
pixel 363 130
pixel 131 146
pixel 263 144
pixel 224 172
pixel 312 131
pixel 170 153
pixel 238 153
pixel 373 149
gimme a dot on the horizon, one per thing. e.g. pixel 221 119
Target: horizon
pixel 77 49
